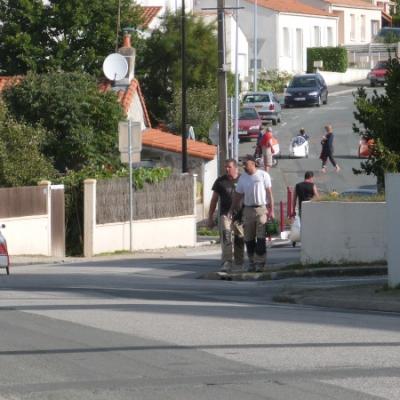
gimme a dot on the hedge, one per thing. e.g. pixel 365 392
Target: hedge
pixel 334 58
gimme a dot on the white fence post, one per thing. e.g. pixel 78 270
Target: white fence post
pixel 46 187
pixel 89 216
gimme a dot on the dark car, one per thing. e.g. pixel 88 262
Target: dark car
pixel 306 89
pixel 378 73
pixel 266 104
pixel 250 124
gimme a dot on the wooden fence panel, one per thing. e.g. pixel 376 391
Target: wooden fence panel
pixel 23 201
pixel 170 198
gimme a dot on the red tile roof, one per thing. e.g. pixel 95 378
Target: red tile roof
pixel 169 142
pixel 8 80
pixel 148 14
pixel 125 97
pixel 291 6
pixel 353 3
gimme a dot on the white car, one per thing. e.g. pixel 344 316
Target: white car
pixel 299 147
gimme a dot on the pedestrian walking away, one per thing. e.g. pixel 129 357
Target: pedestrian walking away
pixel 304 191
pixel 229 224
pixel 267 148
pixel 327 149
pixel 255 190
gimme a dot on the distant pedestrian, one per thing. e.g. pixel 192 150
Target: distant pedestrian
pixel 304 191
pixel 327 149
pixel 302 133
pixel 267 148
pixel 230 225
pixel 255 190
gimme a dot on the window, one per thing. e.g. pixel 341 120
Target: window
pixel 352 27
pixel 363 28
pixel 256 98
pixel 286 42
pixel 259 63
pixel 329 36
pixel 317 36
pixel 374 27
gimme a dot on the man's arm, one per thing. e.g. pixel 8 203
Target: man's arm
pixel 294 202
pixel 270 205
pixel 316 194
pixel 211 211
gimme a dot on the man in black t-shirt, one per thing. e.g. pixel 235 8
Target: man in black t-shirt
pixel 223 189
pixel 305 191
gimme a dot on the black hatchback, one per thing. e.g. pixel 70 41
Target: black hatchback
pixel 307 89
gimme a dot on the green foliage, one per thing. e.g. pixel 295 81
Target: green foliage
pixel 354 198
pixel 202 110
pixel 21 160
pixel 81 122
pixel 273 80
pixel 159 61
pixel 334 58
pixel 67 35
pixel 73 182
pixel 396 20
pixel 377 117
pixel 204 231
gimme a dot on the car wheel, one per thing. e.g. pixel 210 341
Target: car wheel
pixel 274 161
pixel 326 100
pixel 274 121
pixel 319 101
pixel 372 83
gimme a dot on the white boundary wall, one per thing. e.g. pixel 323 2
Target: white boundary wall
pixel 351 75
pixel 334 231
pixel 146 234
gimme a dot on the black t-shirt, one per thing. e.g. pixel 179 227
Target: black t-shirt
pixel 224 187
pixel 304 192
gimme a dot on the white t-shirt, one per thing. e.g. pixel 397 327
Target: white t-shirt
pixel 254 187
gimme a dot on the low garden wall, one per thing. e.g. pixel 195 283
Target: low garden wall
pixel 343 232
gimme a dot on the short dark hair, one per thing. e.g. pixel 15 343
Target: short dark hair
pixel 231 161
pixel 308 175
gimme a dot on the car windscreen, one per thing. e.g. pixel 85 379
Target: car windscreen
pixel 303 81
pixel 248 113
pixel 256 98
pixel 381 64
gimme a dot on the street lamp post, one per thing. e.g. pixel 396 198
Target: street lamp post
pixel 236 114
pixel 184 84
pixel 255 46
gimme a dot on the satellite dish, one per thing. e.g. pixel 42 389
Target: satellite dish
pixel 115 67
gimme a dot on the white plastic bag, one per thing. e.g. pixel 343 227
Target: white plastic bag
pixel 295 230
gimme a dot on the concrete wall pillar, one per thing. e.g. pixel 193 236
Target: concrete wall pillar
pixel 89 216
pixel 392 195
pixel 46 187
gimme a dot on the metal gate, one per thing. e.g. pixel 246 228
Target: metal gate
pixel 57 221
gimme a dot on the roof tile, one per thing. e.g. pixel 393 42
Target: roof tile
pixel 291 6
pixel 353 3
pixel 148 14
pixel 167 141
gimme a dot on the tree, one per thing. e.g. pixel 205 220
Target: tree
pixel 21 160
pixel 378 119
pixel 66 35
pixel 159 61
pixel 80 121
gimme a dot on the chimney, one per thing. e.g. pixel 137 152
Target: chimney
pixel 130 54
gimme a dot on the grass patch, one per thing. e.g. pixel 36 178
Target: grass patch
pixel 333 196
pixel 113 253
pixel 298 266
pixel 204 231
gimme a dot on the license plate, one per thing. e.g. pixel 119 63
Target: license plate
pixel 242 132
pixel 300 98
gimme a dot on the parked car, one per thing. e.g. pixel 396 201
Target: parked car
pixel 250 124
pixel 378 73
pixel 306 89
pixel 367 192
pixel 365 147
pixel 266 104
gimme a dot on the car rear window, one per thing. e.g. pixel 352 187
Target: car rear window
pixel 256 98
pixel 303 81
pixel 381 64
pixel 248 113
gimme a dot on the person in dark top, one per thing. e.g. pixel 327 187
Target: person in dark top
pixel 327 149
pixel 223 189
pixel 304 191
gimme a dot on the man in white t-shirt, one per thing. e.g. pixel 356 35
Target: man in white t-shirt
pixel 255 189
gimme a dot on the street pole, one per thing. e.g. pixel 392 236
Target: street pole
pixel 130 182
pixel 255 47
pixel 184 84
pixel 235 136
pixel 222 95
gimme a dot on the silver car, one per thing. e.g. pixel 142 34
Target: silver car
pixel 266 104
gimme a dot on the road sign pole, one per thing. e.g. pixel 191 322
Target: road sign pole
pixel 130 182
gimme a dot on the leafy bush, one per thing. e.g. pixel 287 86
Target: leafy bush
pixel 273 80
pixel 334 58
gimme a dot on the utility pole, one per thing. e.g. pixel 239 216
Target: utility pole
pixel 184 84
pixel 255 47
pixel 222 94
pixel 235 135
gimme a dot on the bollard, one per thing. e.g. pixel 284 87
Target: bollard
pixel 282 216
pixel 289 202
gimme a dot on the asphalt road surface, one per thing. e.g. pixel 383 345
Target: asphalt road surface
pixel 339 113
pixel 145 328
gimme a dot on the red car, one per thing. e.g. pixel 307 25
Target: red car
pixel 250 124
pixel 378 73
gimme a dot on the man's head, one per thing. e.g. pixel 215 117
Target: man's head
pixel 309 176
pixel 328 129
pixel 302 131
pixel 231 168
pixel 268 129
pixel 249 164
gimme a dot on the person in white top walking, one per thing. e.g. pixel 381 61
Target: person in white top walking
pixel 255 189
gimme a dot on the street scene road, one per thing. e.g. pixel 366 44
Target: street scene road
pixel 339 113
pixel 146 328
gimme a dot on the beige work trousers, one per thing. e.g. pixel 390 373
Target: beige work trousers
pixel 232 244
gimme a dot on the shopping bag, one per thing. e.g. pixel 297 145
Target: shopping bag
pixel 272 227
pixel 295 230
